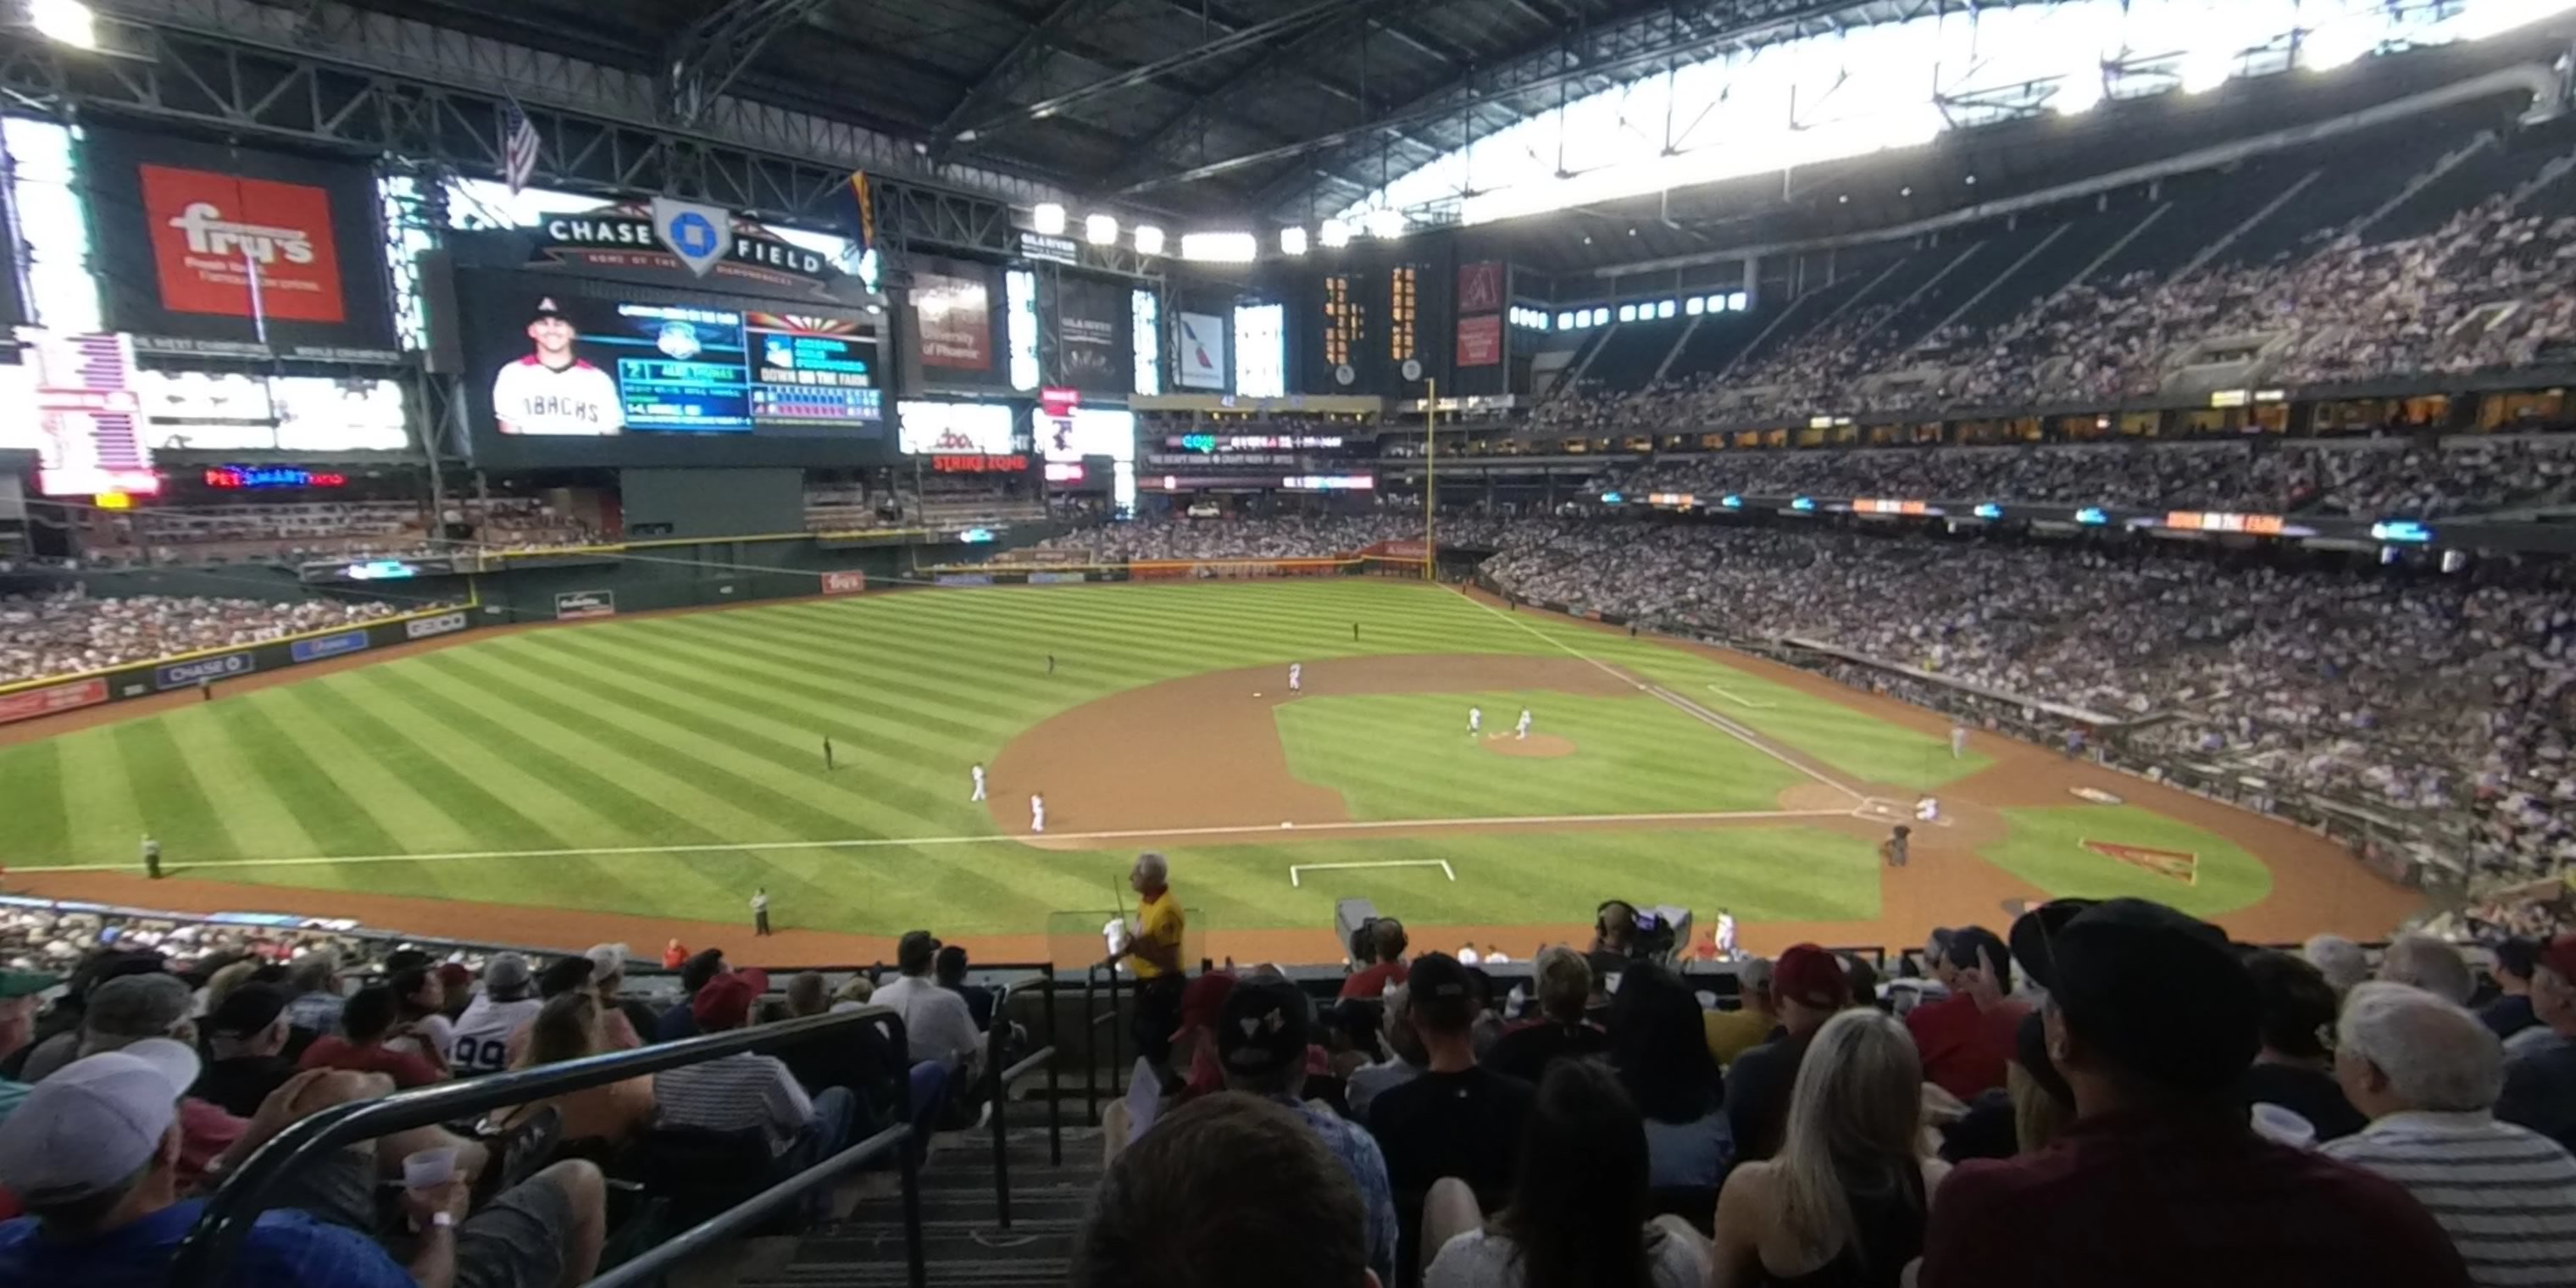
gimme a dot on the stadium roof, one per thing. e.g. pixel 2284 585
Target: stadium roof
pixel 1244 108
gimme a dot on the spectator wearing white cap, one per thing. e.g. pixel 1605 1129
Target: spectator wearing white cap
pixel 482 1043
pixel 2427 1073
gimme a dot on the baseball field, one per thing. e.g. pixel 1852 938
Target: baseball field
pixel 629 777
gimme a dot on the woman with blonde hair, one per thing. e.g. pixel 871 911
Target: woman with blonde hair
pixel 569 1028
pixel 1843 1203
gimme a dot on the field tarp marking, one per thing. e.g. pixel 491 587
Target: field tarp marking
pixel 1271 830
pixel 1443 864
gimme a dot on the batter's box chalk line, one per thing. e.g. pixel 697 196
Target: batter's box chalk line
pixel 1296 871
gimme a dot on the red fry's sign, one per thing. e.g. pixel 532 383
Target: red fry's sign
pixel 27 704
pixel 236 247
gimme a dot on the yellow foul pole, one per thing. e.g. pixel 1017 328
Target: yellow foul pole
pixel 1430 480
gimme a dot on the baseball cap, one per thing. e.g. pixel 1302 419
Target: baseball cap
pixel 2559 954
pixel 505 973
pixel 546 308
pixel 915 951
pixel 607 961
pixel 1808 975
pixel 1263 1028
pixel 136 1006
pixel 246 1010
pixel 1203 1001
pixel 1964 944
pixel 725 1002
pixel 95 1122
pixel 2159 994
pixel 1443 994
pixel 25 983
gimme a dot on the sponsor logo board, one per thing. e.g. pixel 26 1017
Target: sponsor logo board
pixel 179 675
pixel 963 579
pixel 1480 340
pixel 844 583
pixel 322 646
pixel 27 704
pixel 421 628
pixel 239 247
pixel 571 605
pixel 1058 578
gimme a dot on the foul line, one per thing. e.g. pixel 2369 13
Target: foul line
pixel 1739 699
pixel 1685 705
pixel 990 838
pixel 1442 864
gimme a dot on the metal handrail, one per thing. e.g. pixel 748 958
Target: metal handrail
pixel 227 1218
pixel 999 1082
pixel 895 1139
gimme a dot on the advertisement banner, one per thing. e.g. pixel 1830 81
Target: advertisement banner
pixel 1480 287
pixel 1202 363
pixel 674 242
pixel 962 579
pixel 322 646
pixel 699 234
pixel 236 251
pixel 1480 340
pixel 179 675
pixel 844 583
pixel 421 628
pixel 571 605
pixel 27 704
pixel 1093 324
pixel 954 317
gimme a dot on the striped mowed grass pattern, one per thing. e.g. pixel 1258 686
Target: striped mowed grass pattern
pixel 704 730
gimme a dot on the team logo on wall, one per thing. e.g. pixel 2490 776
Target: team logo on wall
pixel 699 234
pixel 1480 287
pixel 245 248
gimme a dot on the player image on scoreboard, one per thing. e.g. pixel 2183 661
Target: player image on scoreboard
pixel 553 390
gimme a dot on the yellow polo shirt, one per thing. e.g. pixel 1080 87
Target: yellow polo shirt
pixel 1158 921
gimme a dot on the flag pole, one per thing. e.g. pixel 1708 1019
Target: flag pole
pixel 1430 480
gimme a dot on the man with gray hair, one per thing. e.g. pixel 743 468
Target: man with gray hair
pixel 2340 959
pixel 2431 965
pixel 314 981
pixel 2427 1072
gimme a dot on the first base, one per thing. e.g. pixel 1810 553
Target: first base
pixel 1287 824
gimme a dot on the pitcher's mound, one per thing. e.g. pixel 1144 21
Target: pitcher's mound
pixel 1544 745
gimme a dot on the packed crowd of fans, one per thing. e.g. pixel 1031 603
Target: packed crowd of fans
pixel 2483 292
pixel 69 633
pixel 1296 536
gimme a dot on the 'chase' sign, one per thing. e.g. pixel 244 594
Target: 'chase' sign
pixel 179 675
pixel 322 646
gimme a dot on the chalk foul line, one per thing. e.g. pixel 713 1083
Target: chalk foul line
pixel 1296 870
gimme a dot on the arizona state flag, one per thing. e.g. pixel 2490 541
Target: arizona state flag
pixel 863 212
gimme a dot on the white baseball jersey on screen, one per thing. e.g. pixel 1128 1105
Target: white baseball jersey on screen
pixel 529 397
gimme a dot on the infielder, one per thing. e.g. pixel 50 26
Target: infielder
pixel 1521 731
pixel 1296 674
pixel 1927 810
pixel 1037 812
pixel 1958 741
pixel 1475 720
pixel 1893 848
pixel 552 391
pixel 979 784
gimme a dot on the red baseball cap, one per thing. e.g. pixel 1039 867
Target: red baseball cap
pixel 1203 1001
pixel 725 1002
pixel 1810 976
pixel 2559 954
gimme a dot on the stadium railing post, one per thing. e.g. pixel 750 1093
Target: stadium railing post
pixel 1055 1098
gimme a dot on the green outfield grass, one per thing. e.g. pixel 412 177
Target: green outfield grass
pixel 2046 848
pixel 1409 756
pixel 667 765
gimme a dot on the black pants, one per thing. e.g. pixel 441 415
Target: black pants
pixel 1158 1012
pixel 760 922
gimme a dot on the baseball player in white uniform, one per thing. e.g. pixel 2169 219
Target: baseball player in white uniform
pixel 1037 812
pixel 1927 810
pixel 979 784
pixel 1475 720
pixel 1521 730
pixel 1958 741
pixel 552 391
pixel 1725 935
pixel 1296 674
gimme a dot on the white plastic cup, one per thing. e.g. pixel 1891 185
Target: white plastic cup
pixel 430 1168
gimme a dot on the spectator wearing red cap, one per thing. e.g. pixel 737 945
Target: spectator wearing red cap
pixel 749 1091
pixel 1194 1041
pixel 2540 1076
pixel 1808 986
pixel 1967 1038
pixel 2152 1019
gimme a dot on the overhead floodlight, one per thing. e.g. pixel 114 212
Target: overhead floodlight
pixel 1100 230
pixel 1664 309
pixel 1385 223
pixel 2206 69
pixel 1218 248
pixel 1627 312
pixel 2333 44
pixel 1334 234
pixel 1695 305
pixel 2080 90
pixel 1047 217
pixel 1149 241
pixel 65 22
pixel 1739 301
pixel 1292 241
pixel 1565 321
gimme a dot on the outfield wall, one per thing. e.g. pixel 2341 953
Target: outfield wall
pixel 31 699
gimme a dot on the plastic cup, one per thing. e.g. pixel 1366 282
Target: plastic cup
pixel 430 1168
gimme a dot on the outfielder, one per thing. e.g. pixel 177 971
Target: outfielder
pixel 1037 812
pixel 553 391
pixel 979 784
pixel 1521 731
pixel 1475 720
pixel 1296 674
pixel 1958 741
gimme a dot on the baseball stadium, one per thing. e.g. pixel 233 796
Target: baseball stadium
pixel 1349 644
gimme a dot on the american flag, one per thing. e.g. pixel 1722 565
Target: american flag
pixel 518 146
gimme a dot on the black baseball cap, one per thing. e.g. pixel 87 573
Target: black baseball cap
pixel 1264 1027
pixel 2161 995
pixel 1964 943
pixel 546 308
pixel 1440 992
pixel 247 1010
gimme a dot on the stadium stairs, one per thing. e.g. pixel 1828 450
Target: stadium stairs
pixel 963 1238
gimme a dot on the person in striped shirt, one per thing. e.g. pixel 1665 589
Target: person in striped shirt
pixel 2427 1073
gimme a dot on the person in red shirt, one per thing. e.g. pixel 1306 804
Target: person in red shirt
pixel 1968 1037
pixel 674 956
pixel 366 1022
pixel 1386 944
pixel 2162 1181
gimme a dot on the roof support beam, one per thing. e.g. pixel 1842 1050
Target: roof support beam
pixel 707 56
pixel 1021 64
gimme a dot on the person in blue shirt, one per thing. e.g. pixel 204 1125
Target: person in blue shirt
pixel 92 1153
